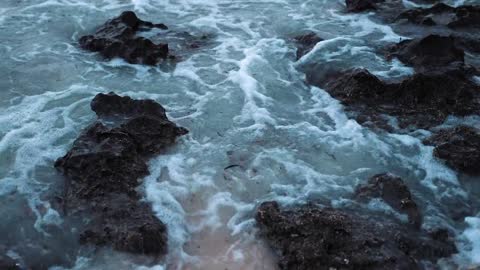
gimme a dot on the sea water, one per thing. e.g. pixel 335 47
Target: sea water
pixel 257 131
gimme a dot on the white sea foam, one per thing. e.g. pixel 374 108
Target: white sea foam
pixel 367 26
pixel 468 243
pixel 473 235
pixel 33 129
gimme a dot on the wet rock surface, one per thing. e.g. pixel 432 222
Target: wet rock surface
pixel 421 101
pixel 429 53
pixel 441 14
pixel 117 38
pixel 459 147
pixel 103 169
pixel 392 190
pixel 126 226
pixel 387 10
pixel 362 5
pixel 305 43
pixel 310 237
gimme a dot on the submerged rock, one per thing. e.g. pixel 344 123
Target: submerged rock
pixel 442 14
pixel 305 43
pixel 103 169
pixel 422 100
pixel 432 52
pixel 313 238
pixel 394 192
pixel 459 147
pixel 117 38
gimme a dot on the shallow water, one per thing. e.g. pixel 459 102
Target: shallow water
pixel 244 100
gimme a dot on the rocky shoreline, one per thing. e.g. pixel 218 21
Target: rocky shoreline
pixel 104 166
pixel 312 236
pixel 308 236
pixel 442 85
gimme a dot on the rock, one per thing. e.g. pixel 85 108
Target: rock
pixel 103 168
pixel 148 124
pixel 117 38
pixel 421 101
pixel 305 43
pixel 437 95
pixel 394 192
pixel 7 263
pixel 387 10
pixel 112 105
pixel 362 5
pixel 441 14
pixel 432 52
pixel 459 147
pixel 468 43
pixel 127 226
pixel 314 238
pixel 357 85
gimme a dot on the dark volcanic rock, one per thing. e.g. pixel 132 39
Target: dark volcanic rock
pixel 305 43
pixel 362 5
pixel 422 100
pixel 442 14
pixel 437 96
pixel 117 38
pixel 126 226
pixel 106 106
pixel 394 192
pixel 313 238
pixel 104 166
pixel 459 147
pixel 429 53
pixel 148 124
